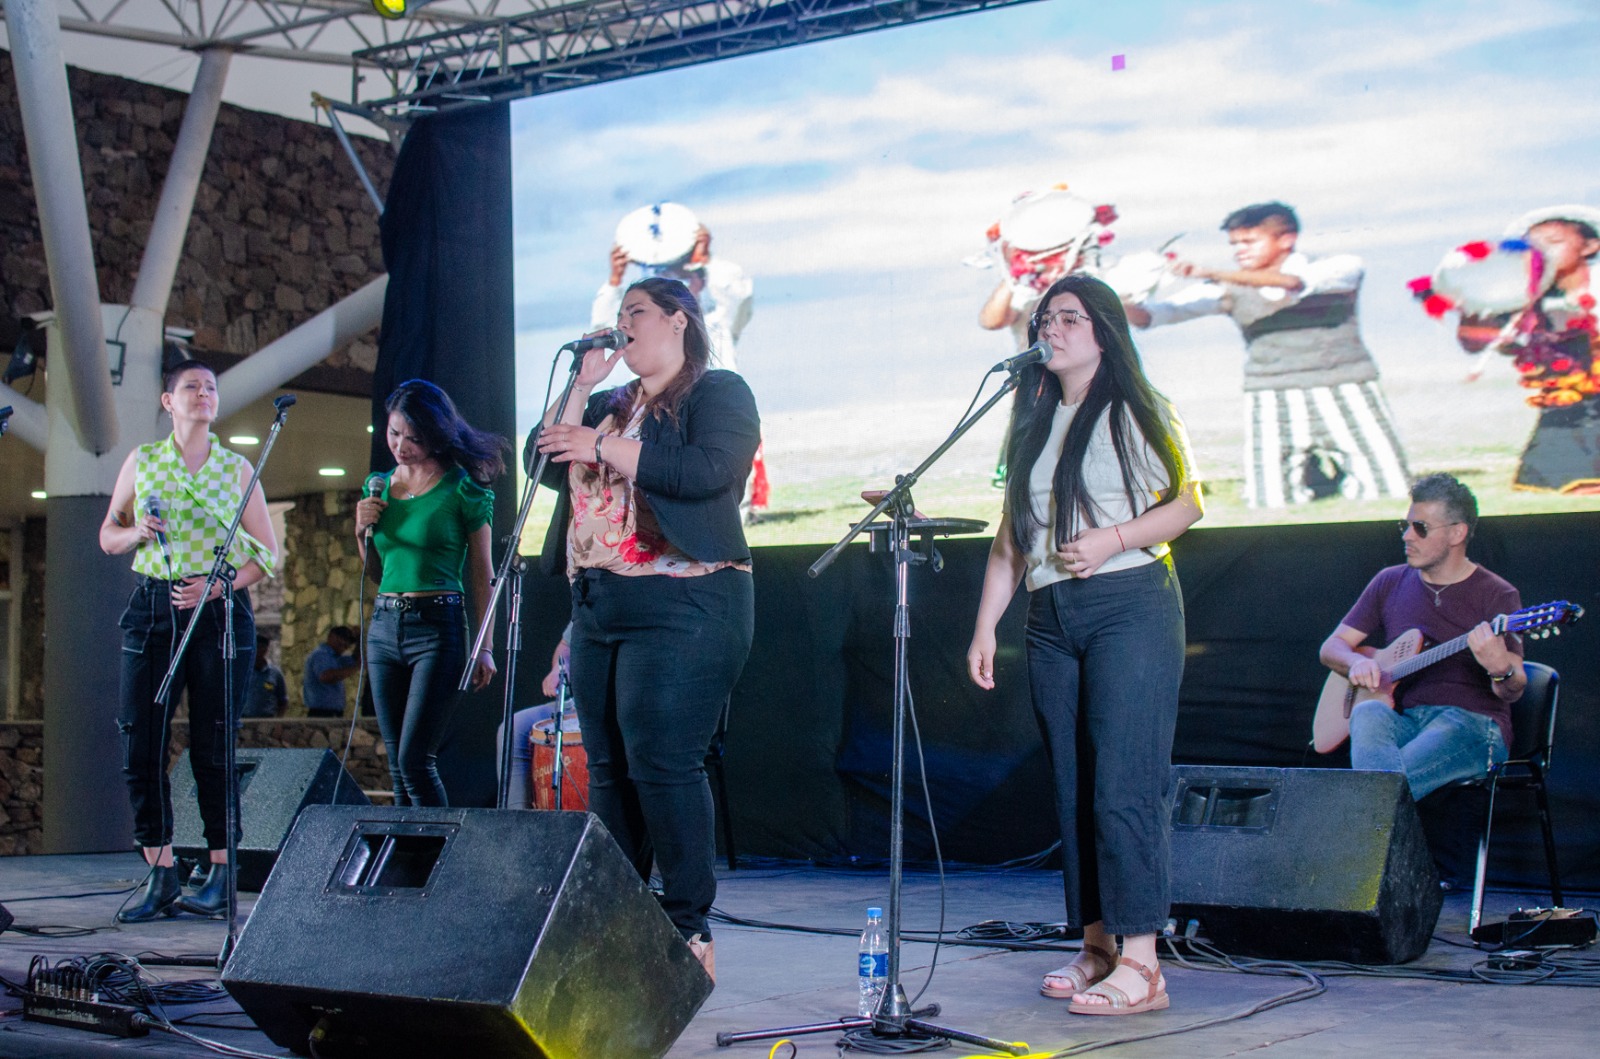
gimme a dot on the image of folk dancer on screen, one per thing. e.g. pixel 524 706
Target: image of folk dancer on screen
pixel 667 239
pixel 1553 342
pixel 430 554
pixel 1452 720
pixel 1100 480
pixel 647 527
pixel 172 504
pixel 1042 237
pixel 326 669
pixel 1316 422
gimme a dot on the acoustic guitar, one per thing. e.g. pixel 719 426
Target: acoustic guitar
pixel 1404 656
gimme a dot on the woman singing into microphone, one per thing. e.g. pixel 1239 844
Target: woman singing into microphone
pixel 647 523
pixel 430 532
pixel 171 507
pixel 1099 479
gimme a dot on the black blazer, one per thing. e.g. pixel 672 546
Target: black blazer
pixel 692 471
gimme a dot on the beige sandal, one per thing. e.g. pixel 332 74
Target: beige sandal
pixel 1075 977
pixel 1119 1002
pixel 705 950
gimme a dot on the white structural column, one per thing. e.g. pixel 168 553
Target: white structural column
pixel 306 346
pixel 47 121
pixel 29 421
pixel 170 226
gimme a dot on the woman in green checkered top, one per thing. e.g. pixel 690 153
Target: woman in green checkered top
pixel 183 490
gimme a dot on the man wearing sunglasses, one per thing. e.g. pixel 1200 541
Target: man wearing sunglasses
pixel 1451 720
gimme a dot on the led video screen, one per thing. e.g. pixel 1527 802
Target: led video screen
pixel 876 214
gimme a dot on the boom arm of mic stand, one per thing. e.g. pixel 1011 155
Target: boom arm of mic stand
pixel 904 482
pixel 164 692
pixel 497 586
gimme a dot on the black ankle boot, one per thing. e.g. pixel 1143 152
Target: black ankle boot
pixel 161 894
pixel 212 898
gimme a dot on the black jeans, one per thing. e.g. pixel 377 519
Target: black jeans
pixel 1105 658
pixel 654 659
pixel 148 639
pixel 414 659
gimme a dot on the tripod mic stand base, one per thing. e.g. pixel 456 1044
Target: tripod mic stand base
pixel 861 1022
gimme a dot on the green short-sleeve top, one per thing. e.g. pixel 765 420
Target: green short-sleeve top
pixel 422 540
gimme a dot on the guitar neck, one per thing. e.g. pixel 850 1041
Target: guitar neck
pixel 1436 653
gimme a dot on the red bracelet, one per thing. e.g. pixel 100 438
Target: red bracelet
pixel 1118 532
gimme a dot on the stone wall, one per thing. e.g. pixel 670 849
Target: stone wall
pixel 281 228
pixel 21 786
pixel 22 769
pixel 322 583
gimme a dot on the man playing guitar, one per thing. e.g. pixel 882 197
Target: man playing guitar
pixel 1451 720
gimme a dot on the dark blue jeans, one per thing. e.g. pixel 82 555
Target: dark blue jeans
pixel 654 660
pixel 148 639
pixel 414 660
pixel 1105 657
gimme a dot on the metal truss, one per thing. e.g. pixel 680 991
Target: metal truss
pixel 565 45
pixel 317 31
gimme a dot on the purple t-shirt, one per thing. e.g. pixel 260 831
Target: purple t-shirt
pixel 1397 600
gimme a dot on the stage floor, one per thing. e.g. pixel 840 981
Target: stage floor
pixel 770 978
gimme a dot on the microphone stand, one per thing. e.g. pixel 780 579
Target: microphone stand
pixel 894 1017
pixel 511 571
pixel 224 572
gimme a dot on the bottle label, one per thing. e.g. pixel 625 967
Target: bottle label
pixel 874 965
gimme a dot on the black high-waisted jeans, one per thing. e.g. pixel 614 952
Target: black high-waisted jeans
pixel 654 659
pixel 148 639
pixel 415 654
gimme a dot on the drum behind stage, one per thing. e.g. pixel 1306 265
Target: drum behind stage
pixel 574 760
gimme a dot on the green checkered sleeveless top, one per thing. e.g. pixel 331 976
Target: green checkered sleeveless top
pixel 197 507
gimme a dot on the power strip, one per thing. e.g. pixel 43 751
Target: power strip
pixel 1540 928
pixel 118 1020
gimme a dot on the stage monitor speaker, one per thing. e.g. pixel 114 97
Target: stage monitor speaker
pixel 407 932
pixel 1303 864
pixel 274 785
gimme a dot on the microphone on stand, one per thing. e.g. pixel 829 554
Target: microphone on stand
pixel 373 489
pixel 152 506
pixel 608 339
pixel 1038 353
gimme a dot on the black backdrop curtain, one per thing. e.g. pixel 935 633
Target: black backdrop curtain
pixel 808 743
pixel 447 317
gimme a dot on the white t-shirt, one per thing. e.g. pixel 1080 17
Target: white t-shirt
pixel 1102 478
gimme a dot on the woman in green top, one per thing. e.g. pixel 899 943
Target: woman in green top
pixel 429 535
pixel 171 507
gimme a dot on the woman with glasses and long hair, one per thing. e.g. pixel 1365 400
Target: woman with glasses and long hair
pixel 171 507
pixel 430 554
pixel 1099 481
pixel 647 525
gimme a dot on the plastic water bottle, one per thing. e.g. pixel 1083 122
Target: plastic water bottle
pixel 873 970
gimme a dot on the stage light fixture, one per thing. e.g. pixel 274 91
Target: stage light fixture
pixel 331 472
pixel 244 439
pixel 390 8
pixel 39 494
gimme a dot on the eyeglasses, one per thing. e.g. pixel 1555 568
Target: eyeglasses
pixel 1062 317
pixel 1421 527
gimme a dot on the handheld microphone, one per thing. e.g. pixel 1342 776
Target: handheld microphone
pixel 609 339
pixel 1038 353
pixel 152 506
pixel 373 489
pixel 284 403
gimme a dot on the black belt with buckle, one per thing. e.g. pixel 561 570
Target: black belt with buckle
pixel 403 603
